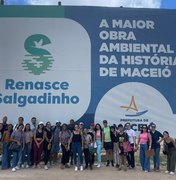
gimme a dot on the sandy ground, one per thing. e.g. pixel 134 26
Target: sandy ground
pixel 104 173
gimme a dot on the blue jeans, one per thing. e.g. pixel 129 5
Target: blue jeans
pixel 15 159
pixel 145 161
pixel 156 158
pixel 26 152
pixel 98 142
pixel 77 149
pixel 5 156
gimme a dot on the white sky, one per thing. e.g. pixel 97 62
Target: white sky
pixel 113 3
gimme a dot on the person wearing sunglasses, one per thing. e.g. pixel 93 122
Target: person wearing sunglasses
pixel 145 142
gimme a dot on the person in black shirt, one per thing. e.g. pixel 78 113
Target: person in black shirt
pixel 156 137
pixel 48 136
pixel 121 138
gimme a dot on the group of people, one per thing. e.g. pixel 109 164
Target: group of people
pixel 27 145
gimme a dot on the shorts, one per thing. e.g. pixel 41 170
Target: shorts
pixel 108 146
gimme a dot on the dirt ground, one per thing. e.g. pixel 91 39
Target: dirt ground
pixel 104 173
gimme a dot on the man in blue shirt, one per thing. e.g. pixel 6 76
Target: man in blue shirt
pixel 156 139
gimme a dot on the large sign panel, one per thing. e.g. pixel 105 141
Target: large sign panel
pixel 88 64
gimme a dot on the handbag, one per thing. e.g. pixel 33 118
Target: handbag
pixel 127 146
pixel 14 147
pixel 150 153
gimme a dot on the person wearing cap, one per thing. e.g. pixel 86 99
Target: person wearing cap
pixel 132 139
pixel 156 138
pixel 107 142
pixel 38 144
pixel 81 126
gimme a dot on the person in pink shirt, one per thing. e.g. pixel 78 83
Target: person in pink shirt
pixel 145 142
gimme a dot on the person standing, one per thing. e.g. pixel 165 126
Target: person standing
pixel 170 144
pixel 145 142
pixel 91 131
pixel 71 127
pixel 88 146
pixel 77 145
pixel 65 135
pixel 6 152
pixel 33 130
pixel 132 139
pixel 38 144
pixel 56 142
pixel 27 147
pixel 17 137
pixel 47 144
pixel 156 137
pixel 122 138
pixel 107 142
pixel 98 140
pixel 114 136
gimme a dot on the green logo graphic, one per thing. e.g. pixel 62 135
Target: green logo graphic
pixel 39 60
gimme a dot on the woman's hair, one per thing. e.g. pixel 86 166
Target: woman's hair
pixel 29 127
pixel 20 125
pixel 39 127
pixel 166 132
pixel 96 127
pixel 144 125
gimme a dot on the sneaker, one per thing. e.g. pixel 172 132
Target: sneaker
pixel 146 171
pixel 171 173
pixel 107 163
pixel 119 168
pixel 112 163
pixel 62 166
pixel 17 168
pixel 22 166
pixel 117 165
pixel 81 168
pixel 67 166
pixel 27 166
pixel 34 166
pixel 46 167
pixel 167 172
pixel 98 166
pixel 76 168
pixel 13 169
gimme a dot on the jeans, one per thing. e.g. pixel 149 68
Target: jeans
pixel 130 157
pixel 26 151
pixel 16 158
pixel 77 149
pixel 98 142
pixel 145 161
pixel 156 158
pixel 116 154
pixel 5 156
